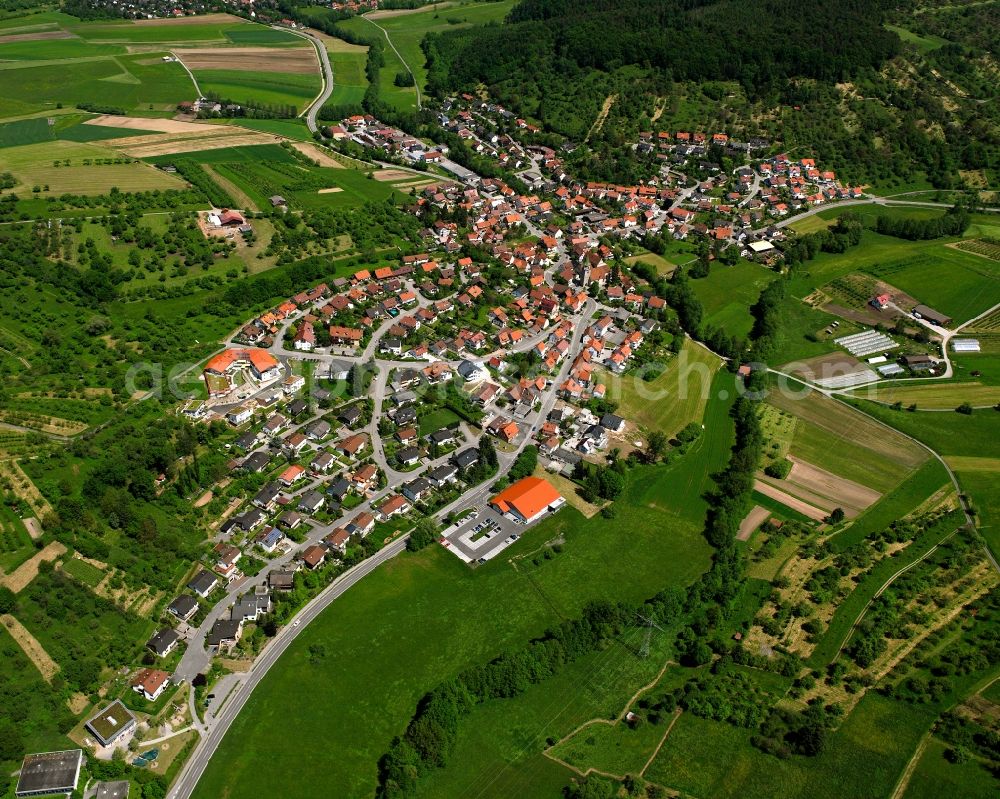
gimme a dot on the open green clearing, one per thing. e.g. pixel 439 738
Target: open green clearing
pixel 935 776
pixel 436 419
pixel 349 79
pixel 268 88
pixel 662 265
pixel 123 82
pixel 923 43
pixel 15 543
pixel 672 399
pixel 863 758
pixel 727 293
pixel 435 616
pixel 36 165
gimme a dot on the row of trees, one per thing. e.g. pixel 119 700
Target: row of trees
pixel 952 223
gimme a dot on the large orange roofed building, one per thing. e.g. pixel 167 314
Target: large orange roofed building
pixel 528 499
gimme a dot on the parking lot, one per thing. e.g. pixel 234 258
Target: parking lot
pixel 481 537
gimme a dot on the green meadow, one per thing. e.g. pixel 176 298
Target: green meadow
pixel 863 758
pixel 269 88
pixel 131 82
pixel 349 79
pixel 727 293
pixel 425 616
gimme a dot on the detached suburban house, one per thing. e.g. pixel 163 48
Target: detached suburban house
pixel 150 683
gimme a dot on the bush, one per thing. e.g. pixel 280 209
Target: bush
pixel 779 469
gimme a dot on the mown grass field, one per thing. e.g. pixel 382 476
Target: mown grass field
pixel 35 165
pixel 935 776
pixel 421 618
pixel 348 64
pixel 221 28
pixel 727 293
pixel 933 395
pixel 862 759
pixel 662 265
pixel 671 400
pixel 129 82
pixel 269 88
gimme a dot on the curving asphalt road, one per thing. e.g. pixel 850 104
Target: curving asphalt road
pixel 324 60
pixel 216 730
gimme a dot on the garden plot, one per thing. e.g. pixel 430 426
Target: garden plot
pixel 36 653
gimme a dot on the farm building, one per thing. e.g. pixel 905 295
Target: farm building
pixel 965 345
pixel 528 500
pixel 932 316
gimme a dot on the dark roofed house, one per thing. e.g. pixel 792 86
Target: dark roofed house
pixel 204 583
pixel 112 724
pixel 350 415
pixel 311 501
pixel 339 488
pixel 163 642
pixel 256 462
pixel 613 423
pixel 466 458
pixel 224 634
pixel 184 607
pixel 416 489
pixel 408 455
pixel 281 580
pixel 49 773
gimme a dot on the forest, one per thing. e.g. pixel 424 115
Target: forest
pixel 547 44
